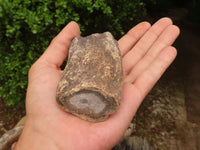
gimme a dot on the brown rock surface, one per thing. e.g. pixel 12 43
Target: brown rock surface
pixel 91 84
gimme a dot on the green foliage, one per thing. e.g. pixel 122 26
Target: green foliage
pixel 28 26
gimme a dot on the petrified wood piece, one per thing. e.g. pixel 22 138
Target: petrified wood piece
pixel 91 84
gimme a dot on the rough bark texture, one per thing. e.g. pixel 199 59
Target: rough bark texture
pixel 91 84
pixel 10 137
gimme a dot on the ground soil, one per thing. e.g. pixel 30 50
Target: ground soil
pixel 9 116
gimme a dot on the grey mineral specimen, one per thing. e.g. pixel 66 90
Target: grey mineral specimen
pixel 91 84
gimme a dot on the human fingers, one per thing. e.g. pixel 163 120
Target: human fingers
pixel 166 39
pixel 57 51
pixel 134 93
pixel 132 36
pixel 143 45
pixel 152 74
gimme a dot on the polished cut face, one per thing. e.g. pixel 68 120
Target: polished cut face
pixel 91 101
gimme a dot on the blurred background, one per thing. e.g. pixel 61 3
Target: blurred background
pixel 169 117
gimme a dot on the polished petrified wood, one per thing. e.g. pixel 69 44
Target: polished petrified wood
pixel 91 84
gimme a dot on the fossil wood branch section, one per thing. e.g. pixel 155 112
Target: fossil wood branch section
pixel 91 84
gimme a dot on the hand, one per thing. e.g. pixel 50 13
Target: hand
pixel 146 51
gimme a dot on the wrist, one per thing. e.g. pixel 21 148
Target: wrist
pixel 32 139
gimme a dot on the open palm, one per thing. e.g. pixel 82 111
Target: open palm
pixel 146 52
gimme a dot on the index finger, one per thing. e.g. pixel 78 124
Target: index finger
pixel 132 36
